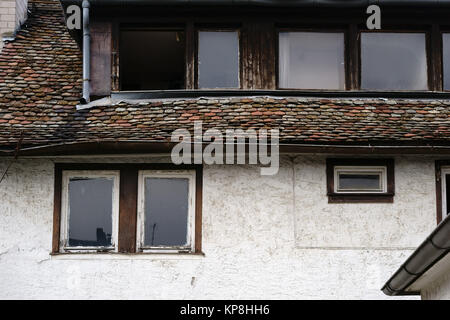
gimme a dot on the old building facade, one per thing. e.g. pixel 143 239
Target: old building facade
pixel 93 207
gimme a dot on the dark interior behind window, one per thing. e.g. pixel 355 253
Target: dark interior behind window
pixel 152 60
pixel 90 207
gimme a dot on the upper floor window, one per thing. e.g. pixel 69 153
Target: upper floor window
pixel 252 55
pixel 393 61
pixel 152 59
pixel 311 60
pixel 218 59
pixel 446 60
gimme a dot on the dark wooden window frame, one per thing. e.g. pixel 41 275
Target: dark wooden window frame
pixel 190 30
pixel 128 197
pixel 438 166
pixel 259 43
pixel 439 41
pixel 386 197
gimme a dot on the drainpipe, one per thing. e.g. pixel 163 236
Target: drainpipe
pixel 86 53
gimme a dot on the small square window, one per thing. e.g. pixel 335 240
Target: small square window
pixel 218 59
pixel 90 204
pixel 166 212
pixel 311 60
pixel 360 180
pixel 393 61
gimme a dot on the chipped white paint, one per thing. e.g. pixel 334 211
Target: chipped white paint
pixel 271 237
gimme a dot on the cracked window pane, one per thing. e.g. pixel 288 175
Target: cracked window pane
pixel 166 211
pixel 311 60
pixel 90 212
pixel 218 59
pixel 393 61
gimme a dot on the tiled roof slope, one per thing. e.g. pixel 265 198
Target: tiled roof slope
pixel 40 85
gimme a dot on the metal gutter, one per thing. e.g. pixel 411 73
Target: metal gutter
pixel 433 249
pixel 86 53
pixel 141 146
pixel 268 3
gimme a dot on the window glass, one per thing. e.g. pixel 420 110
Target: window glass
pixel 359 181
pixel 166 212
pixel 446 52
pixel 152 60
pixel 90 212
pixel 218 59
pixel 311 60
pixel 393 61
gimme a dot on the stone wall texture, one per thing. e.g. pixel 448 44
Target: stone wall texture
pixel 264 237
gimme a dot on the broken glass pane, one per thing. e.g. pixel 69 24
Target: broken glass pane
pixel 90 212
pixel 166 211
pixel 218 59
pixel 393 61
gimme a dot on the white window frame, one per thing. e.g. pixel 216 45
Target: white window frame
pixel 140 234
pixel 65 211
pixel 380 170
pixel 444 171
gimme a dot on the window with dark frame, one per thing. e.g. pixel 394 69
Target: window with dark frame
pixel 127 208
pixel 343 57
pixel 360 180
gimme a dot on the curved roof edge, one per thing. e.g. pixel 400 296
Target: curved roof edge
pixel 431 251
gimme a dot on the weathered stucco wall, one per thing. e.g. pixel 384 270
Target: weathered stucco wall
pixel 265 237
pixel 438 290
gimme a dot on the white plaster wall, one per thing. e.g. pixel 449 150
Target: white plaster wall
pixel 261 239
pixel 438 290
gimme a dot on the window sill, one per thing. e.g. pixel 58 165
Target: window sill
pixel 126 256
pixel 361 198
pixel 170 94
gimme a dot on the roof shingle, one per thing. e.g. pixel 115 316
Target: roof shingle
pixel 40 85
